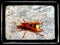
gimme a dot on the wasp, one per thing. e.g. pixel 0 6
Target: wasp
pixel 30 26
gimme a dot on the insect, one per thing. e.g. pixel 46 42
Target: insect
pixel 30 26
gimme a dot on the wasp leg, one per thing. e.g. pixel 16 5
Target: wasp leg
pixel 18 29
pixel 24 34
pixel 39 34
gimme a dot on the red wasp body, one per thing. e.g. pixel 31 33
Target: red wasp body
pixel 32 26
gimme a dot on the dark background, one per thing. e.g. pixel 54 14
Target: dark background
pixel 4 4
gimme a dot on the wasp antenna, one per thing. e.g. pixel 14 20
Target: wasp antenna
pixel 24 20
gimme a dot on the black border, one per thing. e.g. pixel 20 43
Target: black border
pixel 4 4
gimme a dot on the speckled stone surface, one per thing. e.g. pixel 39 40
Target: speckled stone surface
pixel 30 13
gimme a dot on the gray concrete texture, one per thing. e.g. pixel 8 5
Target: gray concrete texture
pixel 30 13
